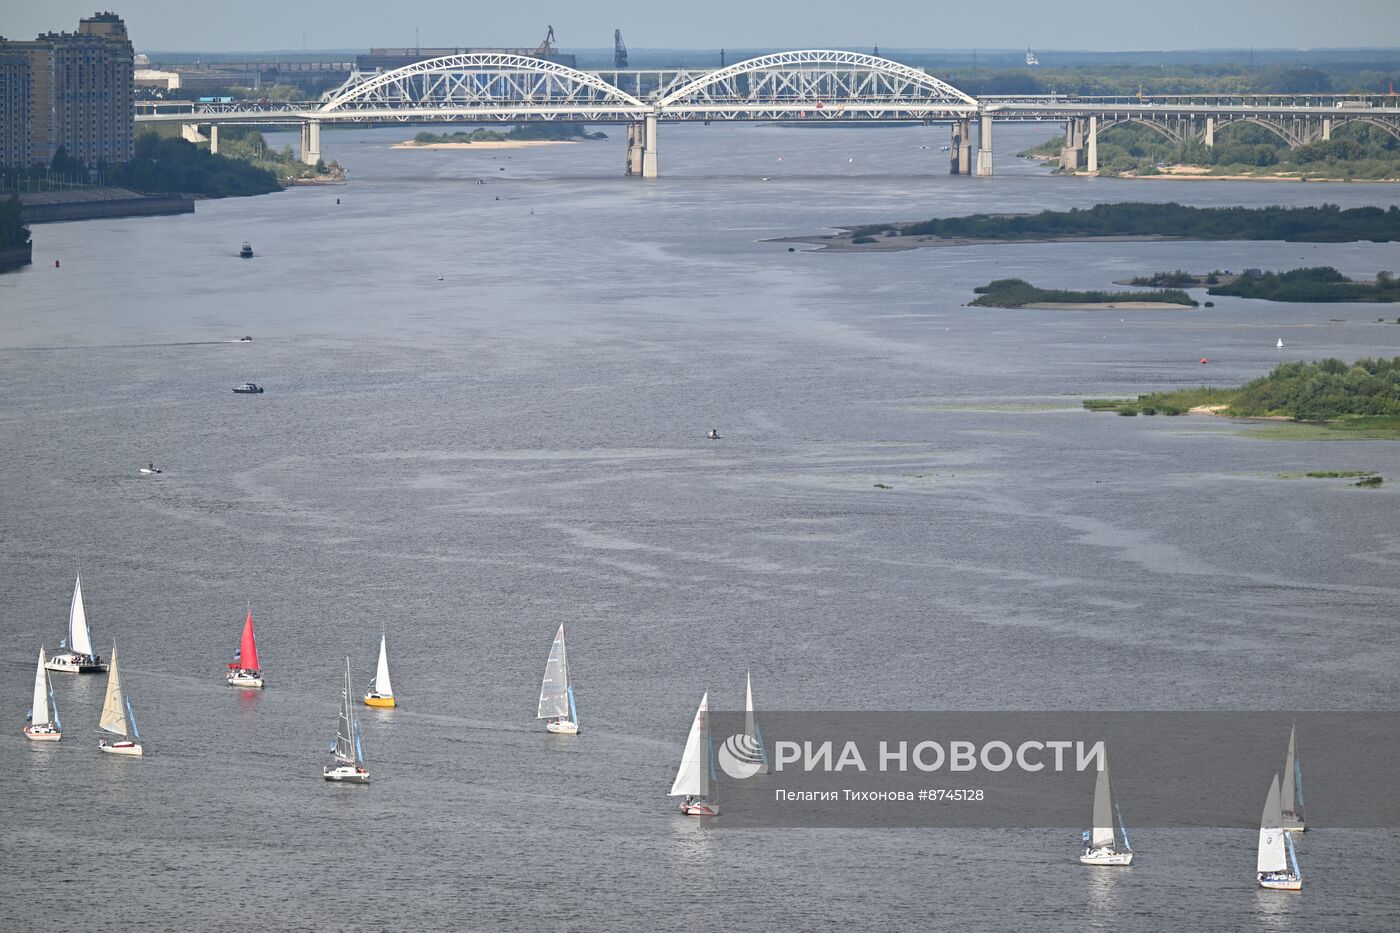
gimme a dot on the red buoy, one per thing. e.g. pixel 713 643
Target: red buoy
pixel 1204 361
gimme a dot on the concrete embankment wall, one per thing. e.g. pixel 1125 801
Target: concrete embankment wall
pixel 42 213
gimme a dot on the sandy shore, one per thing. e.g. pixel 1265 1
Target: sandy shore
pixel 486 144
pixel 1201 173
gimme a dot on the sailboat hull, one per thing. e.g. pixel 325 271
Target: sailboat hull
pixel 561 727
pixel 1100 857
pixel 250 679
pixel 131 749
pixel 1281 884
pixel 76 664
pixel 345 775
pixel 700 809
pixel 383 702
pixel 42 733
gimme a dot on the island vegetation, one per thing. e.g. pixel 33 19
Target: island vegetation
pixel 1362 396
pixel 1018 293
pixel 551 131
pixel 1326 224
pixel 248 145
pixel 13 232
pixel 1311 283
pixel 167 166
pixel 15 248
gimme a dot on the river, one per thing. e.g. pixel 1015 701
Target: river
pixel 485 415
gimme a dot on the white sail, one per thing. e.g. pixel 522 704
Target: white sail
pixel 1271 854
pixel 114 705
pixel 345 728
pixel 1102 835
pixel 1288 802
pixel 748 703
pixel 693 778
pixel 79 638
pixel 39 713
pixel 554 690
pixel 382 685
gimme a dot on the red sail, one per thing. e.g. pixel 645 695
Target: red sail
pixel 248 647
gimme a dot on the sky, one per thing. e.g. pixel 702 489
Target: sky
pixel 255 25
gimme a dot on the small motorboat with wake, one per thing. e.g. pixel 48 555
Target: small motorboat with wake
pixel 151 469
pixel 245 339
pixel 249 388
pixel 246 252
pixel 713 434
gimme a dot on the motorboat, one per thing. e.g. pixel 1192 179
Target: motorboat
pixel 713 434
pixel 151 469
pixel 249 388
pixel 245 339
pixel 247 250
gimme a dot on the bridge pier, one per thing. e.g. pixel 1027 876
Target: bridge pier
pixel 1073 151
pixel 214 138
pixel 1209 138
pixel 311 142
pixel 960 158
pixel 1092 146
pixel 984 146
pixel 190 133
pixel 1326 128
pixel 641 148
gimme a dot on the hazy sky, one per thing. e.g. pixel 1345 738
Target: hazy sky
pixel 238 25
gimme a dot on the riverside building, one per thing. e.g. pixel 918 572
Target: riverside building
pixel 77 94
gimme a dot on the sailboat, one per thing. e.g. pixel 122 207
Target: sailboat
pixel 349 766
pixel 1273 871
pixel 556 693
pixel 1280 343
pixel 117 717
pixel 243 670
pixel 751 727
pixel 695 780
pixel 43 714
pixel 1291 786
pixel 1100 846
pixel 381 689
pixel 79 658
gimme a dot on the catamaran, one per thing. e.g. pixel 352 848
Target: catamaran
pixel 243 670
pixel 43 714
pixel 1292 786
pixel 556 693
pixel 349 766
pixel 381 689
pixel 751 729
pixel 79 658
pixel 696 779
pixel 1100 846
pixel 1272 870
pixel 117 717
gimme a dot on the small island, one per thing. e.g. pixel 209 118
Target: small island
pixel 1313 283
pixel 1018 293
pixel 1362 398
pixel 528 134
pixel 1130 221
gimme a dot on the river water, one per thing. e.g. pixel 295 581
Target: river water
pixel 468 461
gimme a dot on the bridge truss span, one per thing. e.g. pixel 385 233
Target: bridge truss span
pixel 487 86
pixel 815 83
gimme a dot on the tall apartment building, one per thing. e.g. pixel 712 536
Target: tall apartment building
pixel 79 93
pixel 15 96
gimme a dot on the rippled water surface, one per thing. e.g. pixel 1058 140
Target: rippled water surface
pixel 469 461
